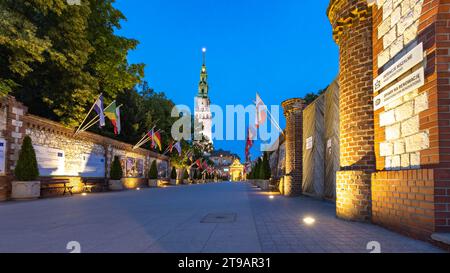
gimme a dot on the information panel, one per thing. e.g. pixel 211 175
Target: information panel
pixel 50 161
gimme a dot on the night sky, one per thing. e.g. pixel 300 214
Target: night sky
pixel 281 49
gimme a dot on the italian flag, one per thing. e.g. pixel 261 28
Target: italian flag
pixel 113 113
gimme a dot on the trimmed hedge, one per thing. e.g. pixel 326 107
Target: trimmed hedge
pixel 27 167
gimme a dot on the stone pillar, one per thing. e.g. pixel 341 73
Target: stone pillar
pixel 352 30
pixel 293 111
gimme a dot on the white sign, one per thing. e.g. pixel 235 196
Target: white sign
pixel 407 62
pixel 309 143
pixel 2 156
pixel 92 165
pixel 51 162
pixel 408 84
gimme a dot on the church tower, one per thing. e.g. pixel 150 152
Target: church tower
pixel 202 102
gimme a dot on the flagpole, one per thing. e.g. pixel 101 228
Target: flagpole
pixel 95 119
pixel 143 138
pixel 144 141
pixel 270 115
pixel 92 108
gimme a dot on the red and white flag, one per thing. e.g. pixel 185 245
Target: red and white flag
pixel 261 112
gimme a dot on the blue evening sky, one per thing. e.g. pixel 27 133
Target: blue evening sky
pixel 282 49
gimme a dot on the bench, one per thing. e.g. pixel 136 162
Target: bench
pixel 57 184
pixel 94 183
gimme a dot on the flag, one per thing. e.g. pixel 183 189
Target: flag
pixel 118 122
pixel 177 146
pixel 113 114
pixel 98 107
pixel 249 142
pixel 205 165
pixel 199 163
pixel 157 140
pixel 261 114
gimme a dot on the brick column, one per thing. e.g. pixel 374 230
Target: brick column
pixel 352 30
pixel 293 111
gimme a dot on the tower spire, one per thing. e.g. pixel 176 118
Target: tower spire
pixel 204 56
pixel 203 85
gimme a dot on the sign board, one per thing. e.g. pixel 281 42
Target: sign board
pixel 408 84
pixel 92 165
pixel 2 156
pixel 309 143
pixel 51 162
pixel 412 58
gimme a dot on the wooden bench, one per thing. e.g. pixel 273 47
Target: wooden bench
pixel 94 183
pixel 57 184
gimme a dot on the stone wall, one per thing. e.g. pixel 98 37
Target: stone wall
pixel 15 123
pixel 411 190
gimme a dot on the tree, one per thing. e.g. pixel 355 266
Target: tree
pixel 173 174
pixel 264 170
pixel 53 54
pixel 116 172
pixel 153 172
pixel 27 167
pixel 185 175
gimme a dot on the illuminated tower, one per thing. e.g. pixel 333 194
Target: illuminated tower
pixel 202 102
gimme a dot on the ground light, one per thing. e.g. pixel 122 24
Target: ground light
pixel 84 194
pixel 271 197
pixel 309 220
pixel 138 189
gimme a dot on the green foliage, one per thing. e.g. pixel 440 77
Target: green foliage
pixel 27 168
pixel 53 54
pixel 173 174
pixel 264 170
pixel 153 172
pixel 185 174
pixel 311 97
pixel 116 172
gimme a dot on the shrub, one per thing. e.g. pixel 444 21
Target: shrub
pixel 264 172
pixel 173 174
pixel 116 172
pixel 186 175
pixel 27 167
pixel 153 172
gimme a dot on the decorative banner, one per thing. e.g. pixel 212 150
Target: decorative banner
pixel 408 84
pixel 407 62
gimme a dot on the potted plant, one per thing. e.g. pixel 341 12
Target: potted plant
pixel 26 172
pixel 153 175
pixel 115 175
pixel 173 176
pixel 185 177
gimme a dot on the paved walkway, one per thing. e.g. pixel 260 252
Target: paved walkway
pixel 179 219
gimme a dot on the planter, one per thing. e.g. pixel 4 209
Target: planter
pixel 153 183
pixel 173 182
pixel 179 181
pixel 25 190
pixel 115 185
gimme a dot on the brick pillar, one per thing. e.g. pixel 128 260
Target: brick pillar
pixel 352 30
pixel 293 111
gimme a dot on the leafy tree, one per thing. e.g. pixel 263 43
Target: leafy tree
pixel 27 167
pixel 116 172
pixel 173 174
pixel 53 54
pixel 153 172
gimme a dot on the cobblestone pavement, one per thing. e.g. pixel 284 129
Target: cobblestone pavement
pixel 223 218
